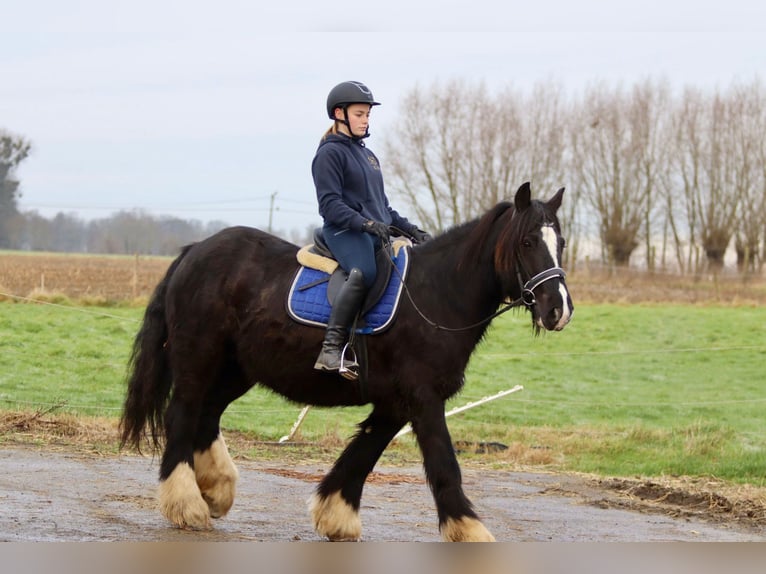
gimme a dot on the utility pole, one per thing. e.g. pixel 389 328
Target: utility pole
pixel 271 209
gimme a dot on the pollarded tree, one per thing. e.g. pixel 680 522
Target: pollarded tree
pixel 747 104
pixel 618 157
pixel 704 165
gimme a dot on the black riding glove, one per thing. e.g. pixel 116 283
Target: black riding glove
pixel 376 228
pixel 420 236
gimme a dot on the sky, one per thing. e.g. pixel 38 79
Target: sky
pixel 213 110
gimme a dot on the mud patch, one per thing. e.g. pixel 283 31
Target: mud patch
pixel 691 501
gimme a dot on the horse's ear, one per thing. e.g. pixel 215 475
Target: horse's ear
pixel 555 202
pixel 523 197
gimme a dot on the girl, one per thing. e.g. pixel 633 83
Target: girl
pixel 355 210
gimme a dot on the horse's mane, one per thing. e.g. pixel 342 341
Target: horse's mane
pixel 508 226
pixel 480 231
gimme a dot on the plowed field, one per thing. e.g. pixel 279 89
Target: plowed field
pixel 98 278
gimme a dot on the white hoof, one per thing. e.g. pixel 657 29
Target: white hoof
pixel 180 500
pixel 216 477
pixel 334 518
pixel 465 529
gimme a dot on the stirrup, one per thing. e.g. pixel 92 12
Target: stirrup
pixel 348 369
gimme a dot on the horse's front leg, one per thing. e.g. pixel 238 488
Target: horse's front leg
pixel 457 520
pixel 214 470
pixel 334 506
pixel 216 476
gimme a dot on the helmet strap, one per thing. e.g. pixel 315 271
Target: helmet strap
pixel 346 123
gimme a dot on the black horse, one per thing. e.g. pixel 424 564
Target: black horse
pixel 216 325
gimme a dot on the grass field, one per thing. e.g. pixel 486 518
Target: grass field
pixel 640 389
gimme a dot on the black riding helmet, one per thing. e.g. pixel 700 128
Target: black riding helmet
pixel 345 94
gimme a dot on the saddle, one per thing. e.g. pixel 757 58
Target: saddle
pixel 319 279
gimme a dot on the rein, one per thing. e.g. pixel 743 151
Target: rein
pixel 527 295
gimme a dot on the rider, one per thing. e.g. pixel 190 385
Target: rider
pixel 355 210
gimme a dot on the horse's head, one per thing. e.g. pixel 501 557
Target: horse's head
pixel 534 259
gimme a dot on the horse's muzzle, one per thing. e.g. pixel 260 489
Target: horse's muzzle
pixel 554 311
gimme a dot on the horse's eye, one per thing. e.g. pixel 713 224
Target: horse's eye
pixel 526 243
pixel 562 242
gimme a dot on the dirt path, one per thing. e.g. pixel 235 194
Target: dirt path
pixel 62 496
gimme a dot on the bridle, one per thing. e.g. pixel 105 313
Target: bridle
pixel 528 288
pixel 527 294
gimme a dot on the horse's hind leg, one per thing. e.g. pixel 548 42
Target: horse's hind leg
pixel 180 499
pixel 334 507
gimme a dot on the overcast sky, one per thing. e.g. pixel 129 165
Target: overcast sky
pixel 203 110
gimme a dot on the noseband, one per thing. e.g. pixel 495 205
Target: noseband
pixel 528 288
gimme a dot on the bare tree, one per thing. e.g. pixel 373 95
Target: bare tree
pixel 457 151
pixel 748 115
pixel 686 175
pixel 13 150
pixel 720 208
pixel 617 149
pixel 650 124
pixel 426 160
pixel 705 166
pixel 760 193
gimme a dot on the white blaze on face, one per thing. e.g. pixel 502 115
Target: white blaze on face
pixel 551 241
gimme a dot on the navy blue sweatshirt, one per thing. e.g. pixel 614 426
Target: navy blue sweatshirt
pixel 349 185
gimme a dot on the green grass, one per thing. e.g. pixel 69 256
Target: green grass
pixel 51 354
pixel 648 390
pixel 623 390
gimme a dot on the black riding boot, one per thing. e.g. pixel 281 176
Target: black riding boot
pixel 344 311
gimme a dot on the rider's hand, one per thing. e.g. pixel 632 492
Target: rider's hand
pixel 376 228
pixel 420 236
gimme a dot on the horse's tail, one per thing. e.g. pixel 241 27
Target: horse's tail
pixel 150 377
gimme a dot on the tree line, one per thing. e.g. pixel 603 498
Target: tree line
pixel 125 232
pixel 660 178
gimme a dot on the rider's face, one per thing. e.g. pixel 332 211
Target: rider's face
pixel 358 118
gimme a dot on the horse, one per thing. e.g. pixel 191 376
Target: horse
pixel 216 325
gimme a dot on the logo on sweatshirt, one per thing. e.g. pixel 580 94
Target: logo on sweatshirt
pixel 373 161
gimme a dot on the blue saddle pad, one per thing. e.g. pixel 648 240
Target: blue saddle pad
pixel 307 301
